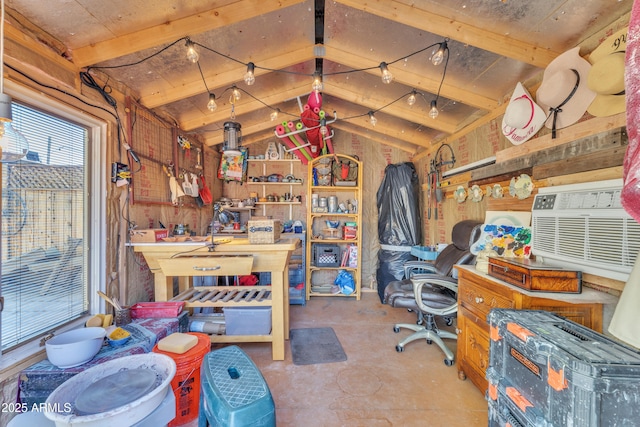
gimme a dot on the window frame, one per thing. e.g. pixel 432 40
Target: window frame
pixel 96 186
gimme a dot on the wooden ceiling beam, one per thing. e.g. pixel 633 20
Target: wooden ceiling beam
pixel 375 136
pixel 422 19
pixel 369 100
pixel 196 120
pixel 156 97
pixel 168 32
pixel 416 81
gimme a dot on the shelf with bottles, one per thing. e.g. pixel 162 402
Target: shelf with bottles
pixel 334 224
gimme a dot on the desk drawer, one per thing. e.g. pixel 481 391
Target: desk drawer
pixel 218 265
pixel 480 300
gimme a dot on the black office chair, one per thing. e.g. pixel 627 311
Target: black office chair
pixel 430 289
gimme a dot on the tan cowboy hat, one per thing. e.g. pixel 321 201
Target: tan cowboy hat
pixel 523 118
pixel 606 77
pixel 563 93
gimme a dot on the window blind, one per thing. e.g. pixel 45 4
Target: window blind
pixel 44 225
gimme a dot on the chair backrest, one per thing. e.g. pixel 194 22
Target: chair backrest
pixel 464 234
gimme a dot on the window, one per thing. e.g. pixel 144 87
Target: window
pixel 48 268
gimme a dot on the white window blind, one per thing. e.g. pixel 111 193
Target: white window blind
pixel 44 278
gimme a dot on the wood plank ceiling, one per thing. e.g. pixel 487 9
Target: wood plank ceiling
pixel 493 45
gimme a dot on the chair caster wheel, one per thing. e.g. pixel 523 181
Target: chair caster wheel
pixel 448 362
pixel 399 349
pixel 429 342
pixel 396 329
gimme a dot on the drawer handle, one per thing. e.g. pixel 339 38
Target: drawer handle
pixel 206 268
pixel 479 300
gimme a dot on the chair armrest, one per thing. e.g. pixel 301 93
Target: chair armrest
pixel 418 285
pixel 418 266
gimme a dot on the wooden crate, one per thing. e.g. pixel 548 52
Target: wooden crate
pixel 263 231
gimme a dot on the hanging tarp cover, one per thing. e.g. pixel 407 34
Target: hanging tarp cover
pixel 399 222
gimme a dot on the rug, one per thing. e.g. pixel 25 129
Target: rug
pixel 315 345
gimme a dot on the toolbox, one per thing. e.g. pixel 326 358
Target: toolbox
pixel 535 276
pixel 545 370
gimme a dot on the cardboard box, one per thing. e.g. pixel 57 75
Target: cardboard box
pixel 263 230
pixel 149 236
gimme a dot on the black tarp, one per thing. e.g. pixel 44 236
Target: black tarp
pixel 399 222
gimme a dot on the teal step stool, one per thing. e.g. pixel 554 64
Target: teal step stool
pixel 233 391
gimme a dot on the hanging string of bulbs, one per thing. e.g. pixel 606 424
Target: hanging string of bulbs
pixel 439 55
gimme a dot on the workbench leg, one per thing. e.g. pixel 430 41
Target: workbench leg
pixel 278 310
pixel 163 287
pixel 286 302
pixel 184 283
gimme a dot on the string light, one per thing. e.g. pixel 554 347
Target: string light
pixel 249 76
pixel 211 105
pixel 438 56
pixel 317 86
pixel 236 93
pixel 433 112
pixel 412 98
pixel 192 52
pixel 387 77
pixel 323 127
pixel 372 119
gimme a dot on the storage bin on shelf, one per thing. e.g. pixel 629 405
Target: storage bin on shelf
pixel 325 255
pixel 247 320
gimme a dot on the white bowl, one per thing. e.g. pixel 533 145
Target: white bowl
pixel 75 347
pixel 63 398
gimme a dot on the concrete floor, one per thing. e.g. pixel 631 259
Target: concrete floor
pixel 376 386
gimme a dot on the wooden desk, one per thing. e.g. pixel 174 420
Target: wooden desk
pixel 168 260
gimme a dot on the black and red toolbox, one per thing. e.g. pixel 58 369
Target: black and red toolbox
pixel 545 371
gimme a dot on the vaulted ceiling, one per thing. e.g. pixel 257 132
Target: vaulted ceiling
pixel 493 45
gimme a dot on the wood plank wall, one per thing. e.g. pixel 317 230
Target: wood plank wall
pixel 591 150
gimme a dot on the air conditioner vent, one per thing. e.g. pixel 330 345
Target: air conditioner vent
pixel 585 226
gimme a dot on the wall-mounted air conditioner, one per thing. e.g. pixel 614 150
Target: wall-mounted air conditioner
pixel 584 226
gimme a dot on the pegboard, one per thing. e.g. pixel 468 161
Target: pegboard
pixel 152 140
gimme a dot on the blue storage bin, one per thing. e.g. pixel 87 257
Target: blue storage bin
pixel 234 392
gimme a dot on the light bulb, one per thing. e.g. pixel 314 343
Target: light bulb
pixel 274 115
pixel 387 77
pixel 236 94
pixel 412 98
pixel 433 112
pixel 438 57
pixel 192 53
pixel 13 145
pixel 211 105
pixel 372 119
pixel 323 127
pixel 249 76
pixel 316 86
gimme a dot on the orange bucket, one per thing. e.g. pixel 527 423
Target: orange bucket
pixel 186 382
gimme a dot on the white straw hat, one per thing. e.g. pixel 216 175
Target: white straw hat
pixel 564 94
pixel 606 77
pixel 523 118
